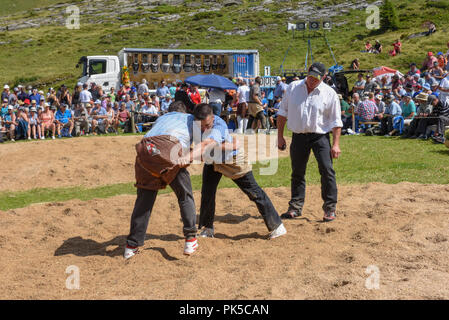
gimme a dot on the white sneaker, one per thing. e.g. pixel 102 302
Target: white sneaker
pixel 190 246
pixel 29 138
pixel 129 252
pixel 53 137
pixel 207 233
pixel 279 231
pixel 42 138
pixel 13 140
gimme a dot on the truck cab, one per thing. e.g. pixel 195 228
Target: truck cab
pixel 103 70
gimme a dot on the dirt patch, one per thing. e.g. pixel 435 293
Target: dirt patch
pixel 375 226
pixel 87 162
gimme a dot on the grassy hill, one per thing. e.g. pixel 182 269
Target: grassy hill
pixel 46 53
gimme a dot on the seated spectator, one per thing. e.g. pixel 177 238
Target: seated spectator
pixel 417 79
pixel 413 70
pixel 346 114
pixel 22 130
pixel 150 112
pixel 432 29
pixel 368 47
pixel 123 117
pixel 380 107
pixel 47 119
pixel 100 116
pixel 365 112
pixel 426 89
pixel 112 118
pixel 423 111
pixel 397 45
pixel 10 123
pixel 63 119
pixel 271 113
pixel 437 72
pixel 4 109
pixel 155 100
pixel 34 126
pixel 428 62
pixel 441 112
pixel 391 118
pixel 165 104
pixel 377 47
pixel 442 60
pixel 355 64
pixel 359 85
pixel 429 79
pixel 370 84
pixel 408 108
pixel 80 117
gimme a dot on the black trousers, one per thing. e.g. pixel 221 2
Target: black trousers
pixel 423 124
pixel 182 187
pixel 300 149
pixel 443 121
pixel 248 185
pixel 260 116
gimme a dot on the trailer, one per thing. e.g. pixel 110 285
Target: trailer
pixel 171 65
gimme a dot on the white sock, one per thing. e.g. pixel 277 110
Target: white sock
pixel 240 124
pixel 245 124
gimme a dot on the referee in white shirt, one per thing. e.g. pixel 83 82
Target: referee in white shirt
pixel 312 109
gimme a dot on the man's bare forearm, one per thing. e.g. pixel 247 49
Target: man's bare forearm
pixel 281 120
pixel 336 133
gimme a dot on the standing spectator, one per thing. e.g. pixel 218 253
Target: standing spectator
pixel 94 91
pixel 162 90
pixel 76 94
pixel 143 87
pixel 47 119
pixel 112 95
pixel 255 107
pixel 35 95
pixel 63 119
pixel 155 100
pixel 183 96
pixel 5 93
pixel 22 95
pixel 173 88
pixel 85 95
pixel 194 94
pixel 370 84
pixel 242 99
pixel 280 89
pixel 216 99
pixel 413 70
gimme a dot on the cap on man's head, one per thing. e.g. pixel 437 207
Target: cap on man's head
pixel 278 78
pixel 426 86
pixel 379 97
pixel 440 53
pixel 88 105
pixel 97 102
pixel 6 86
pixel 33 109
pixel 340 96
pixel 10 107
pixel 5 100
pixel 317 69
pixel 33 101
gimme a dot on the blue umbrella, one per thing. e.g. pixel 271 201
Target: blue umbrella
pixel 211 81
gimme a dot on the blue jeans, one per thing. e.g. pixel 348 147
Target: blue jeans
pixel 22 129
pixel 359 119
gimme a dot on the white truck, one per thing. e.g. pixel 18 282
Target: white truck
pixel 171 65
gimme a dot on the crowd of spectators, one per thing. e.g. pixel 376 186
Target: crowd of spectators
pixel 415 105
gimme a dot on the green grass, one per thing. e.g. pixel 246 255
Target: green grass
pixel 363 160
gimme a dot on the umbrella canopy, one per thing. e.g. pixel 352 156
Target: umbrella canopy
pixel 380 72
pixel 211 81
